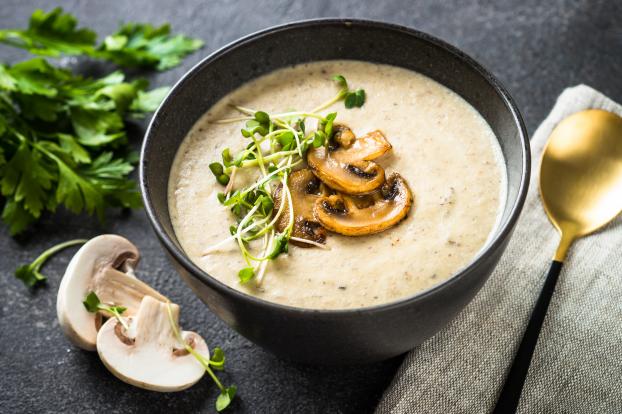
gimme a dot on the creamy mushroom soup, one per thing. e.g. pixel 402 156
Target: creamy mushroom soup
pixel 441 146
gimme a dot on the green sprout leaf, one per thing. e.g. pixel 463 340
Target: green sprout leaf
pixel 341 81
pixel 218 359
pixel 281 245
pixel 225 398
pixel 226 157
pixel 319 139
pixel 93 305
pixel 246 274
pixel 262 117
pixel 351 99
pixel 216 168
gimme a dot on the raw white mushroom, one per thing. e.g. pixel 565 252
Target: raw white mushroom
pixel 104 265
pixel 148 354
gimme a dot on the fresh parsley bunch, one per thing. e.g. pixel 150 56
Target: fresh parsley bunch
pixel 62 136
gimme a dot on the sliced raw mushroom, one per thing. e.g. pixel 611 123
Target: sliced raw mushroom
pixel 346 165
pixel 148 354
pixel 305 189
pixel 373 213
pixel 104 265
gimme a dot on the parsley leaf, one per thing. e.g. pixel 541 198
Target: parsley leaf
pixel 147 46
pixel 137 45
pixel 62 136
pixel 62 139
pixel 51 34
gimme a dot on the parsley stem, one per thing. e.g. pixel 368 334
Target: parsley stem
pixel 43 257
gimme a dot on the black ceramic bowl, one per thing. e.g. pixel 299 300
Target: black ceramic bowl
pixel 333 336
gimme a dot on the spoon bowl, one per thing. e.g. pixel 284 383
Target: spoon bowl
pixel 581 174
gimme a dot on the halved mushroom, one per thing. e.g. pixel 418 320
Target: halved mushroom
pixel 104 265
pixel 373 213
pixel 305 188
pixel 346 165
pixel 148 354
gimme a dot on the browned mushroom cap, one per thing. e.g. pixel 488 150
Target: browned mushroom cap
pixel 343 135
pixel 305 189
pixel 349 169
pixel 359 216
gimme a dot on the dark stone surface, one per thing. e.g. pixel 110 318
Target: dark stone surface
pixel 536 48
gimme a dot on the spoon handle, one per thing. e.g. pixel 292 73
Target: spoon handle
pixel 510 394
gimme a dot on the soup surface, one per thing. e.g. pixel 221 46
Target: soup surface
pixel 443 148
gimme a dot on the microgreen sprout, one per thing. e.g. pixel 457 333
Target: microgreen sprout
pixel 351 98
pixel 277 142
pixel 31 274
pixel 94 305
pixel 217 362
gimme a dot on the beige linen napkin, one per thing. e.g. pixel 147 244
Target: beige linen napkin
pixel 577 365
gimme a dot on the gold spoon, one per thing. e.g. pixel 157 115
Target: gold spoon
pixel 581 189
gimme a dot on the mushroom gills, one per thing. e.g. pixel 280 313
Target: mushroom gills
pixel 347 166
pixel 305 188
pixel 363 215
pixel 149 355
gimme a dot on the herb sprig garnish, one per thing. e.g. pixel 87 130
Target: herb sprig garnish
pixel 217 362
pixel 56 33
pixel 94 305
pixel 278 143
pixel 31 274
pixel 62 136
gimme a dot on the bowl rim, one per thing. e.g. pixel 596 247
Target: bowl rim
pixel 504 229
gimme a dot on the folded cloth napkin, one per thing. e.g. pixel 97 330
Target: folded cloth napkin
pixel 577 365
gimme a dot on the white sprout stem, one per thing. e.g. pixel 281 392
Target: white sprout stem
pixel 121 320
pixel 270 225
pixel 231 120
pixel 326 104
pixel 320 245
pixel 312 114
pixel 267 177
pixel 262 266
pixel 199 357
pixel 229 186
pixel 238 234
pixel 221 243
pixel 260 161
pixel 244 110
pixel 290 203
